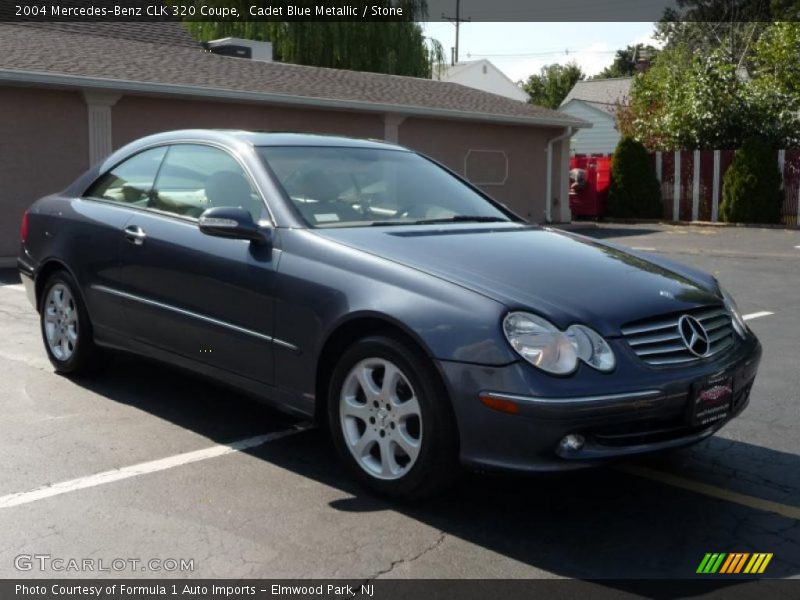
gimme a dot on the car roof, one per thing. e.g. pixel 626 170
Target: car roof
pixel 266 138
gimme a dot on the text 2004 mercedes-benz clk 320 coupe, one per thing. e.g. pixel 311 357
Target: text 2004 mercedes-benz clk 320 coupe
pixel 365 285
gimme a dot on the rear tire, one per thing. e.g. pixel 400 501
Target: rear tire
pixel 66 329
pixel 391 420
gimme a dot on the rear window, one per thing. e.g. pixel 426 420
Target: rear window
pixel 131 181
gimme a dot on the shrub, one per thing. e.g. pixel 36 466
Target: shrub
pixel 634 191
pixel 751 188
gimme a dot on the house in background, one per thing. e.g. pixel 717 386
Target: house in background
pixel 595 100
pixel 483 75
pixel 71 93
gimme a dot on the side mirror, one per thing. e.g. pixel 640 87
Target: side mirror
pixel 232 222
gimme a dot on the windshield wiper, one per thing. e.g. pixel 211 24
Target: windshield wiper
pixel 455 219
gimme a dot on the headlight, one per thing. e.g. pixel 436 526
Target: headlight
pixel 591 347
pixel 738 322
pixel 545 346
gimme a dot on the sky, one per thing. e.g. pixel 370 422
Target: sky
pixel 521 49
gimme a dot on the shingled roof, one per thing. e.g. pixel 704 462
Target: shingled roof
pixel 105 56
pixel 602 94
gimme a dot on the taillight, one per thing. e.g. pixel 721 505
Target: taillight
pixel 23 233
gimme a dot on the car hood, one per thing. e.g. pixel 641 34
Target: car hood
pixel 565 277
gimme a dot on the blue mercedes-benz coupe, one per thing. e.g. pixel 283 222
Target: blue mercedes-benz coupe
pixel 367 286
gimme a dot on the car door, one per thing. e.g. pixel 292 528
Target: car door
pixel 94 242
pixel 204 298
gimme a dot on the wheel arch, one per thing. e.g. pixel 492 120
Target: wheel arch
pixel 347 332
pixel 45 271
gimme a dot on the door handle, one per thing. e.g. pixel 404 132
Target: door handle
pixel 135 235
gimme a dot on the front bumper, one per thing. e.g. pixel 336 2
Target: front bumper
pixel 636 409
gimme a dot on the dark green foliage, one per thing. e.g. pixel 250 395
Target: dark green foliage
pixel 393 47
pixel 552 84
pixel 634 191
pixel 751 188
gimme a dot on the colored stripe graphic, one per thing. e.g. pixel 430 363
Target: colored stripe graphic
pixel 703 563
pixel 730 562
pixel 758 563
pixel 733 563
pixel 741 562
pixel 711 562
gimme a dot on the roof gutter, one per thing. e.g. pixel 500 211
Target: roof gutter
pixel 145 87
pixel 549 178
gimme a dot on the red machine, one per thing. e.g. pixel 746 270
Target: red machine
pixel 589 178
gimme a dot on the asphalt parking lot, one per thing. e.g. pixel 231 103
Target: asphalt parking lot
pixel 137 463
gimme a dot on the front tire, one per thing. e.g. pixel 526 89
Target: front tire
pixel 65 326
pixel 391 420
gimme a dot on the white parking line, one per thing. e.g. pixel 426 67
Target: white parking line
pixel 643 248
pixel 757 315
pixel 17 287
pixel 146 467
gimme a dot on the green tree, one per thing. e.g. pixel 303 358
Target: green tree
pixel 634 191
pixel 552 84
pixel 774 92
pixel 393 47
pixel 690 100
pixel 624 64
pixel 730 26
pixel 751 188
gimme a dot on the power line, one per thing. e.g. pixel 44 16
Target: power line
pixel 457 20
pixel 565 52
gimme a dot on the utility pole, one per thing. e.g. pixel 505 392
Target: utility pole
pixel 457 20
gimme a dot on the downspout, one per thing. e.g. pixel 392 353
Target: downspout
pixel 549 198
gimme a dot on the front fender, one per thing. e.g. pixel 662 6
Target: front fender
pixel 323 285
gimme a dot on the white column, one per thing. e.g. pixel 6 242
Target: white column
pixel 658 166
pixel 676 188
pixel 563 175
pixel 98 108
pixel 391 127
pixel 798 205
pixel 715 189
pixel 781 162
pixel 696 186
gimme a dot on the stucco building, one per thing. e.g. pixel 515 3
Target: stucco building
pixel 72 93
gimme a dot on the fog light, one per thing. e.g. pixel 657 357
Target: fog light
pixel 571 443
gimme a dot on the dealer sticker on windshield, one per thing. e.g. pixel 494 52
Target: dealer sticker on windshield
pixel 712 401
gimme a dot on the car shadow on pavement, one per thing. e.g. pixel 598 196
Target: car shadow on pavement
pixel 9 277
pixel 600 523
pixel 612 232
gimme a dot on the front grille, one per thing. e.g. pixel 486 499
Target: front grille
pixel 657 341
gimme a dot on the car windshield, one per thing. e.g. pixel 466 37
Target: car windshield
pixel 352 187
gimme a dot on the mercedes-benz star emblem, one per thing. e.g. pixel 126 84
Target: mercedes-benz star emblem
pixel 694 335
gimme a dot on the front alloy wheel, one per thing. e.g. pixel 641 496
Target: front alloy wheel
pixel 391 419
pixel 381 418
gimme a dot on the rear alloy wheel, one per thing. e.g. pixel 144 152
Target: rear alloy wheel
pixel 391 421
pixel 65 325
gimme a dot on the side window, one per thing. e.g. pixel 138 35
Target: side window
pixel 131 181
pixel 194 178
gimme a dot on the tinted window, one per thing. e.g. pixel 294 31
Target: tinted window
pixel 194 178
pixel 130 181
pixel 337 187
